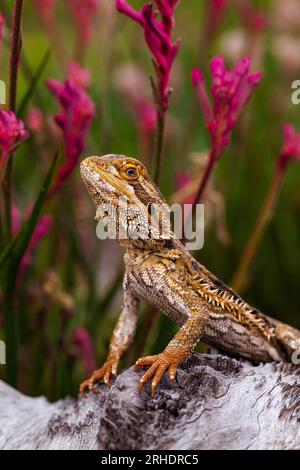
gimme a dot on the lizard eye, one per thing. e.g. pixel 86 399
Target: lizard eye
pixel 131 172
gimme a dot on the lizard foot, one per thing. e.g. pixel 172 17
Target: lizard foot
pixel 159 363
pixel 105 372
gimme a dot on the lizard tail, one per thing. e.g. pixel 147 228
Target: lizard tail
pixel 289 338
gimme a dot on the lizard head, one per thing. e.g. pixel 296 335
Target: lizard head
pixel 112 176
pixel 112 179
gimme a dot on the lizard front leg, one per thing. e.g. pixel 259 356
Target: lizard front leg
pixel 121 339
pixel 175 353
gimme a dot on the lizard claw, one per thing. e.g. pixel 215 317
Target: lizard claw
pixel 159 364
pixel 105 372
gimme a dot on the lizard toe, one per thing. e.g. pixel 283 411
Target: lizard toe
pixel 104 373
pixel 148 375
pixel 157 377
pixel 83 389
pixel 146 361
pixel 172 372
pixel 159 364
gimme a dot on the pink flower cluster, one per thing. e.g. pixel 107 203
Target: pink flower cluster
pixel 78 110
pixel 35 120
pixel 41 231
pixel 183 180
pixel 290 151
pixel 79 75
pixel 45 8
pixel 82 340
pixel 216 12
pixel 83 13
pixel 147 117
pixel 12 132
pixel 158 36
pixel 252 17
pixel 132 83
pixel 231 90
pixel 2 24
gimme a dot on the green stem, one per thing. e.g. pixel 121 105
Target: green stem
pixel 1 234
pixel 159 150
pixel 6 187
pixel 240 278
pixel 15 50
pixel 204 180
pixel 10 320
pixel 202 186
pixel 16 46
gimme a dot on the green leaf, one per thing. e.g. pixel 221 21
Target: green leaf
pixel 34 82
pixel 30 225
pixel 5 255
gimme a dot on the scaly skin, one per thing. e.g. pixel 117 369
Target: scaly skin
pixel 162 272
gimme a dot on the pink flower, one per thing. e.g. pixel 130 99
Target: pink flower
pixel 253 18
pixel 83 13
pixel 158 36
pixel 132 83
pixel 81 76
pixel 2 24
pixel 15 219
pixel 184 180
pixel 41 231
pixel 83 341
pixel 147 116
pixel 12 132
pixel 216 12
pixel 35 119
pixel 231 90
pixel 78 110
pixel 45 8
pixel 290 151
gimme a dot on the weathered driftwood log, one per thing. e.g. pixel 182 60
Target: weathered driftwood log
pixel 217 403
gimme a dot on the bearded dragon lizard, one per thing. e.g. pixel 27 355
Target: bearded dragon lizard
pixel 161 271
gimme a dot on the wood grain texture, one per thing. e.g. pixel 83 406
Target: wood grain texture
pixel 218 403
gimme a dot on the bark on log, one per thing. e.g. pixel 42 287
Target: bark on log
pixel 217 403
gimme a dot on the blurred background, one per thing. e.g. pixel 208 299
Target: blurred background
pixel 67 294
